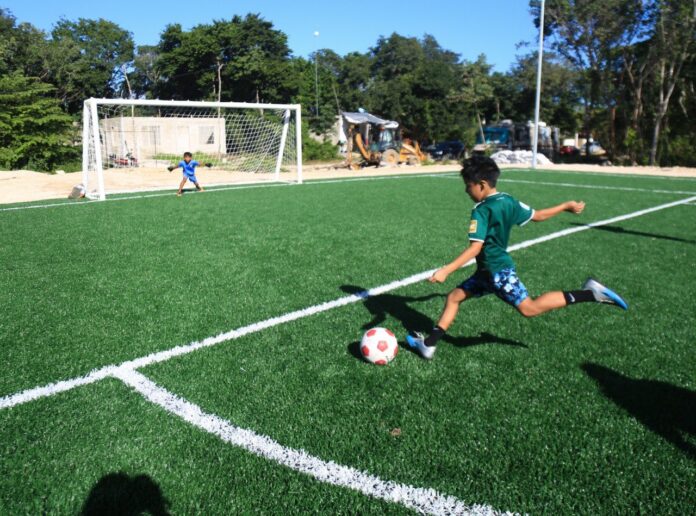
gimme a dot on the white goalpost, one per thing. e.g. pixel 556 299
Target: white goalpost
pixel 127 145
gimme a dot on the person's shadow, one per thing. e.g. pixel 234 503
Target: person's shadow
pixel 395 306
pixel 624 231
pixel 665 409
pixel 120 494
pixel 412 320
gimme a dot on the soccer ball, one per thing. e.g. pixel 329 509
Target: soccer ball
pixel 379 346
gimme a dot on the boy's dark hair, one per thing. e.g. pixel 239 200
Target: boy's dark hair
pixel 480 168
pixel 188 155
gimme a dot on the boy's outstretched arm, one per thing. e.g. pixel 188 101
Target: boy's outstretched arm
pixel 172 167
pixel 469 253
pixel 570 206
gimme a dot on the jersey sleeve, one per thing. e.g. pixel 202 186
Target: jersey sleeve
pixel 182 164
pixel 194 164
pixel 478 225
pixel 523 213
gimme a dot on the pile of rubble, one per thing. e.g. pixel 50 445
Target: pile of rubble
pixel 518 157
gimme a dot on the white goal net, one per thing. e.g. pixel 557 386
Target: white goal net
pixel 128 145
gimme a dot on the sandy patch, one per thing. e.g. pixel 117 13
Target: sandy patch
pixel 24 186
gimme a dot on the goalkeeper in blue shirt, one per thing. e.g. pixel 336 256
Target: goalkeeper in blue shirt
pixel 188 166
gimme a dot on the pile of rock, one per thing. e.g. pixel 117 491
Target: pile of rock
pixel 518 157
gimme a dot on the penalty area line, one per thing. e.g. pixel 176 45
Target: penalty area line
pixel 422 500
pixel 162 356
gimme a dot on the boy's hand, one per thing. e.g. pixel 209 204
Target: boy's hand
pixel 575 207
pixel 170 168
pixel 209 165
pixel 439 277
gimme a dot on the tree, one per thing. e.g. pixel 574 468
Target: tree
pixel 560 89
pixel 674 42
pixel 247 55
pixel 590 34
pixel 409 81
pixel 475 87
pixel 87 59
pixel 354 81
pixel 34 130
pixel 22 47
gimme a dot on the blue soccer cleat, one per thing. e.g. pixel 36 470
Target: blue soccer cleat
pixel 417 343
pixel 604 295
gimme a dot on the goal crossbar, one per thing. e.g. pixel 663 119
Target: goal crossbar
pixel 190 103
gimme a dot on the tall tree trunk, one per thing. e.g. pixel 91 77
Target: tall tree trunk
pixel 668 78
pixel 480 124
pixel 655 140
pixel 636 79
pixel 675 45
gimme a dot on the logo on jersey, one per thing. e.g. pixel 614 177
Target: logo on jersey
pixel 473 226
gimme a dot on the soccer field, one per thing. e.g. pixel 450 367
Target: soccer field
pixel 199 355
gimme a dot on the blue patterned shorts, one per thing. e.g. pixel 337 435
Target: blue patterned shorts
pixel 505 284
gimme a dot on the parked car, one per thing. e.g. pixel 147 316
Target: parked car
pixel 447 150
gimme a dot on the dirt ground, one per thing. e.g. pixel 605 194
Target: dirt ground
pixel 24 186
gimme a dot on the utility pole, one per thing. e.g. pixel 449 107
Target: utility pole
pixel 535 143
pixel 316 75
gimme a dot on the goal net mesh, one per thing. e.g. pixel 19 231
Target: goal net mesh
pixel 130 147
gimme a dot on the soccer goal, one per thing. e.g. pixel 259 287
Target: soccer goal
pixel 127 145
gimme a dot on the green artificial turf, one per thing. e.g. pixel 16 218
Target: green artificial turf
pixel 587 410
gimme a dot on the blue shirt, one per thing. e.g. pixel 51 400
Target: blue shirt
pixel 189 168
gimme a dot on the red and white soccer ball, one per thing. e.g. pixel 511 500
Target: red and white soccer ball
pixel 379 346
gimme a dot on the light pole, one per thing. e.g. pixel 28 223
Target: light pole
pixel 316 75
pixel 538 87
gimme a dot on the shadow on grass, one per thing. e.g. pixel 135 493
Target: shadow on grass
pixel 395 306
pixel 663 408
pixel 620 230
pixel 120 494
pixel 412 320
pixel 484 338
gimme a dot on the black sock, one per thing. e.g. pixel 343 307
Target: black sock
pixel 434 336
pixel 578 296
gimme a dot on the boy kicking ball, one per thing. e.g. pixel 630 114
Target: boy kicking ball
pixel 492 218
pixel 188 166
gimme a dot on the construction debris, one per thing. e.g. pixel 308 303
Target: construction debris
pixel 518 157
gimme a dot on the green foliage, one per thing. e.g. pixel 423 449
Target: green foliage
pixel 253 58
pixel 35 133
pixel 602 73
pixel 87 59
pixel 681 150
pixel 313 150
pixel 22 47
pixel 515 92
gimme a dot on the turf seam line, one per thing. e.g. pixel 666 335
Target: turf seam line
pixel 591 187
pixel 226 189
pixel 419 499
pixel 162 356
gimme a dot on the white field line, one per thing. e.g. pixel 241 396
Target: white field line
pixel 225 189
pixel 591 187
pixel 419 499
pixel 602 174
pixel 162 356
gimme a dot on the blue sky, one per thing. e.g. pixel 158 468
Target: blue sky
pixel 468 27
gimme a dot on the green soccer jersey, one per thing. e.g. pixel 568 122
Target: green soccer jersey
pixel 491 222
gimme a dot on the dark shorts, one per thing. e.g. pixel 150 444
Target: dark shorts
pixel 505 284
